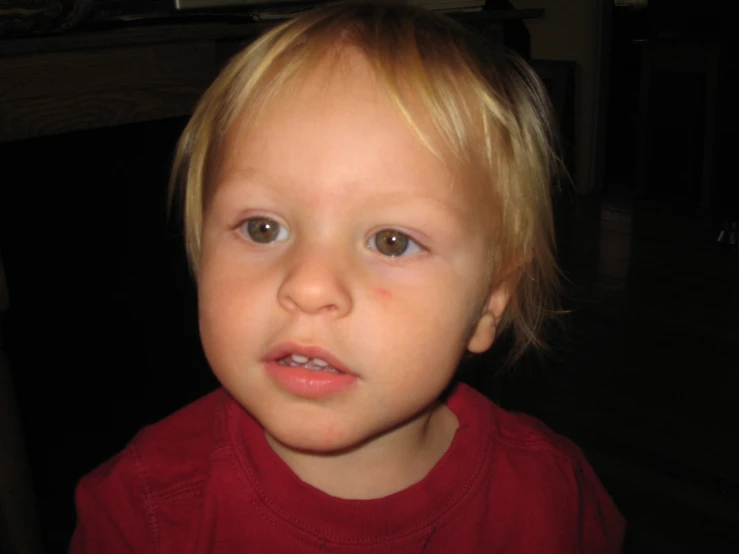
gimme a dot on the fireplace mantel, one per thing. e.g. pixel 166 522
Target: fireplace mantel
pixel 93 79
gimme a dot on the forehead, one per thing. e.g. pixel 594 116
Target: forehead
pixel 340 108
pixel 339 87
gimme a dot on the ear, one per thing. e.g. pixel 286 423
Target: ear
pixel 483 334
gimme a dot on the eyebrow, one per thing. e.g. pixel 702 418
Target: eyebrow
pixel 440 208
pixel 251 175
pixel 240 175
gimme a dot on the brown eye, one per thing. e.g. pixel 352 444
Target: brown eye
pixel 390 242
pixel 264 230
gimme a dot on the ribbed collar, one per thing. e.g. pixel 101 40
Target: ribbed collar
pixel 368 521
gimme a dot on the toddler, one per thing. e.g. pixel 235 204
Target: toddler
pixel 366 193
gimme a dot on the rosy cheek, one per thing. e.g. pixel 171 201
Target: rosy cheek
pixel 383 294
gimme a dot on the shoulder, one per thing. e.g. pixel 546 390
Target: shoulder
pixel 176 451
pixel 514 435
pixel 546 467
pixel 117 502
pixel 517 432
pixel 171 453
pixel 525 436
pixel 544 478
pixel 557 484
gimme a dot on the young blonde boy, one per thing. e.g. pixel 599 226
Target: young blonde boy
pixel 366 194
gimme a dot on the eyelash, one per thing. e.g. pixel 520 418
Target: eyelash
pixel 393 234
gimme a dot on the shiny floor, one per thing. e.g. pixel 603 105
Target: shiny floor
pixel 644 372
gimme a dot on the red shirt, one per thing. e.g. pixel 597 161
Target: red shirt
pixel 204 480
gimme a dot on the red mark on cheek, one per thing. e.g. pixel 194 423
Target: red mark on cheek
pixel 383 293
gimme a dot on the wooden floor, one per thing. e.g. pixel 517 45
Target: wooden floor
pixel 644 373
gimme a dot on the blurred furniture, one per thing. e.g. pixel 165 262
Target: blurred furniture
pixel 681 58
pixel 24 17
pixel 76 81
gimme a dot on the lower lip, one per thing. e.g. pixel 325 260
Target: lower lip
pixel 308 383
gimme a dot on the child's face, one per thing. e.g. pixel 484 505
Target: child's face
pixel 334 233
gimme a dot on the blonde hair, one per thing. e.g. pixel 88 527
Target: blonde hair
pixel 486 105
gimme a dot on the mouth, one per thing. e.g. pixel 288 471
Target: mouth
pixel 306 357
pixel 308 372
pixel 315 364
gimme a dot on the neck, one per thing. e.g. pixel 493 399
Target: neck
pixel 381 466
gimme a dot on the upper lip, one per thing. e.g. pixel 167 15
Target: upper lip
pixel 309 351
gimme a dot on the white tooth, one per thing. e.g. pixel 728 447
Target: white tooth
pixel 299 359
pixel 319 362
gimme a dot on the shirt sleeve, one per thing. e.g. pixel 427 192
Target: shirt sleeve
pixel 113 511
pixel 601 524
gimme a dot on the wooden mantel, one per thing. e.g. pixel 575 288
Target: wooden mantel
pixel 100 78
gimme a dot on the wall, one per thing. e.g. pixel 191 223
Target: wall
pixel 569 31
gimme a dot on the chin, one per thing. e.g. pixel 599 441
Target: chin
pixel 321 440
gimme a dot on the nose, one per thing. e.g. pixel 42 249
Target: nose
pixel 316 283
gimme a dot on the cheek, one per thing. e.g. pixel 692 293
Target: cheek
pixel 216 328
pixel 213 309
pixel 224 307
